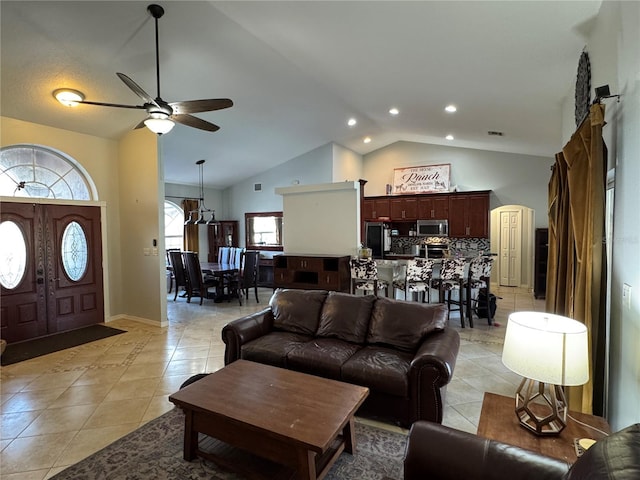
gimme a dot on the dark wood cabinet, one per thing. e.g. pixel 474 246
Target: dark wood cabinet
pixel 225 234
pixel 403 208
pixel 433 207
pixel 541 250
pixel 312 272
pixel 375 207
pixel 469 215
pixel 265 272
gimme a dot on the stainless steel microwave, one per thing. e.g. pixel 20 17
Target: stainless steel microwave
pixel 433 228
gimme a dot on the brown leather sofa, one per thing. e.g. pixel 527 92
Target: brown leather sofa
pixel 437 452
pixel 402 351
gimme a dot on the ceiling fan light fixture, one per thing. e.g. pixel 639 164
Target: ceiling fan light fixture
pixel 68 97
pixel 159 123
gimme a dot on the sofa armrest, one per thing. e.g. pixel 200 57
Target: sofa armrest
pixel 243 330
pixel 432 369
pixel 438 452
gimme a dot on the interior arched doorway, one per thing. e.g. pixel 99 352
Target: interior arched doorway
pixel 512 231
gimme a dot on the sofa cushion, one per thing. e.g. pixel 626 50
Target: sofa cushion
pixel 273 348
pixel 346 316
pixel 615 457
pixel 322 356
pixel 297 311
pixel 381 369
pixel 402 324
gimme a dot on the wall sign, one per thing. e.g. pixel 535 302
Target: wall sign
pixel 425 179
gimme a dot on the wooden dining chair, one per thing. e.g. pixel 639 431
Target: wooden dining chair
pixel 172 277
pixel 197 284
pixel 223 254
pixel 246 277
pixel 179 272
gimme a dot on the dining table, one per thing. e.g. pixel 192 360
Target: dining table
pixel 219 270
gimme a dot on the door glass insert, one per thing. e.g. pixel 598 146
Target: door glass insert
pixel 74 251
pixel 13 255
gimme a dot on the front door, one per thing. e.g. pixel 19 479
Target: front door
pixel 50 269
pixel 510 248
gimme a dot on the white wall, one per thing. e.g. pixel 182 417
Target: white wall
pixel 347 164
pixel 614 50
pixel 322 218
pixel 513 179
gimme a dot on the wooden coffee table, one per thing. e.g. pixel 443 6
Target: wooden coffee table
pixel 498 421
pixel 268 422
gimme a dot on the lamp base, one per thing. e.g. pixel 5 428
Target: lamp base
pixel 541 410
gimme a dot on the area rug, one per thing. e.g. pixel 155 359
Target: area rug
pixel 154 451
pixel 21 351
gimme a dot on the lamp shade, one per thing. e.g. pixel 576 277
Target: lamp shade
pixel 547 348
pixel 159 123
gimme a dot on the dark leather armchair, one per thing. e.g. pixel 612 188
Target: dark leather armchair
pixel 438 452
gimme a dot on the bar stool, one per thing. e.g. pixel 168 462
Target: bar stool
pixel 479 277
pixel 417 279
pixel 452 278
pixel 364 276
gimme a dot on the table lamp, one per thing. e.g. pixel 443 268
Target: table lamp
pixel 549 351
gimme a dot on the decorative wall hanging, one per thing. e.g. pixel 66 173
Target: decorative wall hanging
pixel 424 179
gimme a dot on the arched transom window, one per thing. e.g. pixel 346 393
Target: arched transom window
pixel 40 172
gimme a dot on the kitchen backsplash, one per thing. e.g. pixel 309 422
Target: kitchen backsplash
pixel 463 245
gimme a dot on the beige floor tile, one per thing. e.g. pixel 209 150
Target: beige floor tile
pixel 140 388
pixel 82 395
pixel 101 375
pixel 89 441
pixel 144 370
pixel 29 401
pixel 157 406
pixel 53 380
pixel 118 412
pixel 15 384
pixel 190 352
pixel 54 420
pixel 32 475
pixel 14 423
pixel 186 367
pixel 214 364
pixel 169 384
pixel 34 453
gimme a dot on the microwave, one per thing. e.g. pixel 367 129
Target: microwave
pixel 433 228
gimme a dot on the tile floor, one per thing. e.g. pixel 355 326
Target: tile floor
pixel 60 408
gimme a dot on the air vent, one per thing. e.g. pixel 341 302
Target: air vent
pixel 494 133
pixel 257 187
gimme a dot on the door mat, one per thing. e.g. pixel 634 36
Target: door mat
pixel 21 351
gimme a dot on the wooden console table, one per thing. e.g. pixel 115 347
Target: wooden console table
pixel 498 421
pixel 312 272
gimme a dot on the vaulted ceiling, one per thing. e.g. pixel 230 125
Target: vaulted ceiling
pixel 297 71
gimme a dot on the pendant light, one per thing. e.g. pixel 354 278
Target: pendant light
pixel 202 208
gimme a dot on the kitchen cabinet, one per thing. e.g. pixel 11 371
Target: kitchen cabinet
pixel 225 234
pixel 541 249
pixel 312 272
pixel 469 215
pixel 404 208
pixel 374 207
pixel 433 207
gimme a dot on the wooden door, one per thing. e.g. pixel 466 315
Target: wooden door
pixel 62 286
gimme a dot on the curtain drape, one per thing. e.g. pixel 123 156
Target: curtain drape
pixel 190 231
pixel 575 269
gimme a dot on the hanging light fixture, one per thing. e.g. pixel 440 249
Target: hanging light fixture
pixel 202 208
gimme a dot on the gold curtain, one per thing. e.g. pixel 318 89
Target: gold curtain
pixel 190 231
pixel 575 271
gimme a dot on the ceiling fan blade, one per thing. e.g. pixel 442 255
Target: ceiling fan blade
pixel 197 106
pixel 195 122
pixel 140 125
pixel 117 105
pixel 136 89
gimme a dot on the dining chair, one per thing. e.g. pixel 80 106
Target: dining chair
pixel 236 256
pixel 197 285
pixel 179 272
pixel 246 277
pixel 364 276
pixel 451 279
pixel 223 254
pixel 417 279
pixel 479 277
pixel 172 277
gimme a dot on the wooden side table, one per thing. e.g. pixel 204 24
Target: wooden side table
pixel 498 421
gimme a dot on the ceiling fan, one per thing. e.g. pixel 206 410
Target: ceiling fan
pixel 161 115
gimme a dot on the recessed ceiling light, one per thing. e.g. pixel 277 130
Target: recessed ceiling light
pixel 68 97
pixel 394 111
pixel 450 108
pixel 449 137
pixel 351 122
pixel 367 140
